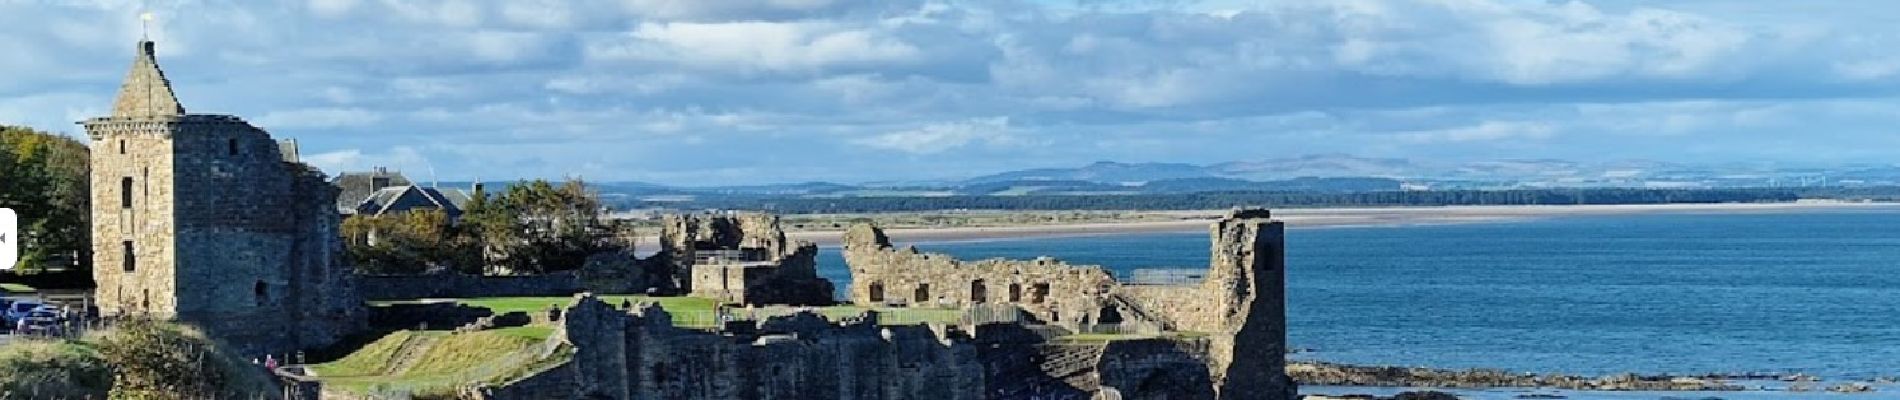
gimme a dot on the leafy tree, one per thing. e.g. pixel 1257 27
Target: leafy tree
pixel 44 177
pixel 530 227
pixel 538 227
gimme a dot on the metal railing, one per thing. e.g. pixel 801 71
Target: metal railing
pixel 1166 276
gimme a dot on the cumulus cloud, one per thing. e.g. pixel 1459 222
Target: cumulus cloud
pixel 634 89
pixel 941 137
pixel 319 118
pixel 754 45
pixel 1486 131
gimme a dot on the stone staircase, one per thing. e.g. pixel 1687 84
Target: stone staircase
pixel 1138 316
pixel 1072 363
pixel 1045 371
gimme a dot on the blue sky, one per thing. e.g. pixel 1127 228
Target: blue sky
pixel 712 92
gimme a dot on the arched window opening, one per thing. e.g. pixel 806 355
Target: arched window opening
pixel 1110 316
pixel 978 292
pixel 1015 292
pixel 877 292
pixel 923 293
pixel 262 292
pixel 1039 293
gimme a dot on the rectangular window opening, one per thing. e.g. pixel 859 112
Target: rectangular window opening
pixel 131 257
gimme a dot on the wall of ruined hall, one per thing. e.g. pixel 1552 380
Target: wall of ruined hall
pixel 772 270
pixel 454 285
pixel 246 247
pixel 1248 274
pixel 1051 290
pixel 1240 303
pixel 639 355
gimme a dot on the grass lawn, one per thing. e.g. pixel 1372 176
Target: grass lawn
pixel 698 312
pixel 438 361
pixel 503 305
pixel 16 288
pixel 1109 337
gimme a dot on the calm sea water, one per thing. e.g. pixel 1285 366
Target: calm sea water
pixel 1816 292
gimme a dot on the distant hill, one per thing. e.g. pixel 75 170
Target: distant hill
pixel 1102 172
pixel 1316 173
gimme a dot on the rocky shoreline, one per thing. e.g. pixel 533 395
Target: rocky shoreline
pixel 1331 374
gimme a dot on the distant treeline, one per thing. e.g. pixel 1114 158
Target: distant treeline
pixel 1221 200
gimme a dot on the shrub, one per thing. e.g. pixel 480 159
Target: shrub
pixel 154 360
pixel 44 369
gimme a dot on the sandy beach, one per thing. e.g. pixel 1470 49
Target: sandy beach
pixel 1303 218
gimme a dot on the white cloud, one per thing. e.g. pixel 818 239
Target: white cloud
pixel 1487 131
pixel 753 45
pixel 401 158
pixel 603 83
pixel 319 118
pixel 332 8
pixel 940 137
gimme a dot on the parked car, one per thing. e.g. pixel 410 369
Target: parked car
pixel 42 321
pixel 19 309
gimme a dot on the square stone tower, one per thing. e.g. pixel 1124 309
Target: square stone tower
pixel 203 219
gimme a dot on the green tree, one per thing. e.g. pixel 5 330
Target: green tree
pixel 538 227
pixel 45 178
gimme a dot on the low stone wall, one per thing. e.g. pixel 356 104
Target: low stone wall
pixel 399 287
pixel 444 315
pixel 1155 368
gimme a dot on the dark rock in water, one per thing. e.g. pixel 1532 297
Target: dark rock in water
pixel 1426 395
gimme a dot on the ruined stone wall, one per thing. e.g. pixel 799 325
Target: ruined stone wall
pixel 1240 304
pixel 1154 369
pixel 1247 279
pixel 451 285
pixel 257 243
pixel 640 355
pixel 757 266
pixel 1051 290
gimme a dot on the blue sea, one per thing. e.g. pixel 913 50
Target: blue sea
pixel 1801 291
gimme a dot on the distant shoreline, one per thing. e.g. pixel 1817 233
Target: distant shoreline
pixel 1300 218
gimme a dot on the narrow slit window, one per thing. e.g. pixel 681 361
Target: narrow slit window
pixel 131 257
pixel 125 192
pixel 232 146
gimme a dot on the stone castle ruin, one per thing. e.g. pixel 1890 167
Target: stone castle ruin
pixel 206 219
pixel 1240 303
pixel 1222 338
pixel 741 258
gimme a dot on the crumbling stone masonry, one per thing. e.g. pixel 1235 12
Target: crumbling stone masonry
pixel 618 354
pixel 741 258
pixel 205 219
pixel 1240 304
pixel 638 354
